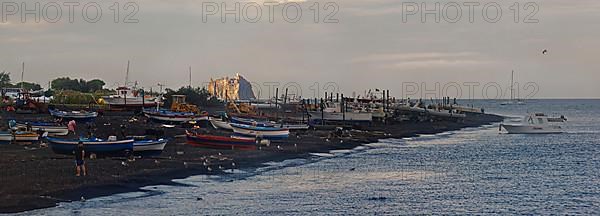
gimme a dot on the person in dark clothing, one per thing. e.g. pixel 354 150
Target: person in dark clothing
pixel 79 156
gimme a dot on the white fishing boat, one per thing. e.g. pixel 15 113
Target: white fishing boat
pixel 260 132
pixel 6 137
pixel 220 124
pixel 536 123
pixel 127 97
pixel 50 127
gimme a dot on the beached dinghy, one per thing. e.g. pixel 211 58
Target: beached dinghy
pixel 82 116
pixel 26 136
pixel 271 133
pixel 252 122
pixel 536 123
pixel 6 137
pixel 220 124
pixel 220 142
pixel 294 126
pixel 50 127
pixel 171 116
pixel 93 145
pixel 149 147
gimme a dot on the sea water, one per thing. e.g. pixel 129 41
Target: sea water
pixel 474 170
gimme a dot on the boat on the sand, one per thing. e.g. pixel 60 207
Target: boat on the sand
pixel 220 124
pixel 271 133
pixel 92 145
pixel 220 142
pixel 6 137
pixel 83 116
pixel 148 147
pixel 50 127
pixel 26 136
pixel 252 122
pixel 172 116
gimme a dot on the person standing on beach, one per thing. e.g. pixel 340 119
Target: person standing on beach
pixel 79 163
pixel 71 126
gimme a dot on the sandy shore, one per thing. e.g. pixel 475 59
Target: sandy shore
pixel 34 177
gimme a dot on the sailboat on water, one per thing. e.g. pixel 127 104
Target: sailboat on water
pixel 513 100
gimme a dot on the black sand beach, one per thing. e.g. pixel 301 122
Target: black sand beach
pixel 34 177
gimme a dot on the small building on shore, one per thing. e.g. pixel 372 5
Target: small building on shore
pixel 234 88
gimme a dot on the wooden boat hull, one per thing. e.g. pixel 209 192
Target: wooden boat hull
pixel 218 142
pixel 6 138
pixel 130 103
pixel 174 117
pixel 218 124
pixel 73 115
pixel 120 147
pixel 149 147
pixel 531 129
pixel 52 130
pixel 26 137
pixel 260 132
pixel 252 122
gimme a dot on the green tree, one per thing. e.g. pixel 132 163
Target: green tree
pixel 197 96
pixel 81 85
pixel 5 80
pixel 29 86
pixel 95 85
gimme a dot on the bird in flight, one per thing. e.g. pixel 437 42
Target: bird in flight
pixel 545 52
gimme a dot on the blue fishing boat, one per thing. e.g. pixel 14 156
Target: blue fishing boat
pixel 92 145
pixel 271 133
pixel 81 116
pixel 172 116
pixel 149 147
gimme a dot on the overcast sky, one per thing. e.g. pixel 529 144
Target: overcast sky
pixel 370 47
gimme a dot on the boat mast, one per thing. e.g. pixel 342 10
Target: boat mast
pixel 190 80
pixel 512 74
pixel 127 75
pixel 22 75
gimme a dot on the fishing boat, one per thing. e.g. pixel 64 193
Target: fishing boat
pixel 252 122
pixel 220 124
pixel 6 137
pixel 271 133
pixel 294 126
pixel 83 116
pixel 535 123
pixel 149 147
pixel 220 142
pixel 92 145
pixel 50 127
pixel 26 136
pixel 128 98
pixel 173 116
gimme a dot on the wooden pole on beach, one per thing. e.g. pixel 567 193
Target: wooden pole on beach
pixel 277 103
pixel 322 114
pixel 343 110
